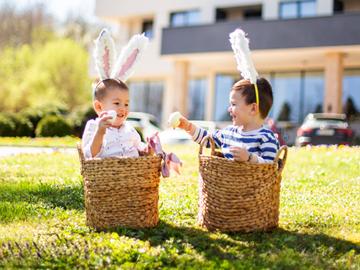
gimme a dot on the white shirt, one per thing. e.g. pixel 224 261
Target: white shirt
pixel 123 141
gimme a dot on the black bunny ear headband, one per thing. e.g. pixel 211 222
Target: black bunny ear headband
pixel 240 45
pixel 108 65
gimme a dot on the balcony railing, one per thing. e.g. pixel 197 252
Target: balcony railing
pixel 265 34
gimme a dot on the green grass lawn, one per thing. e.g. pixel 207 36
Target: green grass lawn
pixel 67 141
pixel 42 219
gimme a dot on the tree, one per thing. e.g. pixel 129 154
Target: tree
pixel 23 27
pixel 59 75
pixel 285 112
pixel 349 108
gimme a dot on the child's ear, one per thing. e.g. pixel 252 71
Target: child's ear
pixel 255 108
pixel 97 106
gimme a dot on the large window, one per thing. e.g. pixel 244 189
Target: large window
pixel 147 97
pixel 286 90
pixel 351 92
pixel 184 18
pixel 223 86
pixel 313 94
pixel 148 28
pixel 196 98
pixel 297 9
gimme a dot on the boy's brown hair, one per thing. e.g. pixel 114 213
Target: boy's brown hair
pixel 247 90
pixel 106 85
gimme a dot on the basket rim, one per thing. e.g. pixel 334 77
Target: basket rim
pixel 115 158
pixel 231 161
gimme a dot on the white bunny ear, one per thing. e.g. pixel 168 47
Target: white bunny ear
pixel 129 56
pixel 240 46
pixel 104 54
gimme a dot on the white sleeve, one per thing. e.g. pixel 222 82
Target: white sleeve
pixel 88 137
pixel 140 146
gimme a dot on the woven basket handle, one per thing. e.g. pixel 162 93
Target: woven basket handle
pixel 281 161
pixel 212 144
pixel 81 156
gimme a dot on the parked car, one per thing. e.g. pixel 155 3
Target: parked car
pixel 145 124
pixel 180 136
pixel 324 128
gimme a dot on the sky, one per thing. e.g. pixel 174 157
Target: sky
pixel 61 9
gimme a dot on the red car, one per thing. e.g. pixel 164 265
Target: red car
pixel 324 128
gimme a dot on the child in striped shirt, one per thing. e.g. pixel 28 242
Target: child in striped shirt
pixel 246 139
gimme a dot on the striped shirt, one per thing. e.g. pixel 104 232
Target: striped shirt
pixel 261 142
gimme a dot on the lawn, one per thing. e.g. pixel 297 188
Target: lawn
pixel 42 219
pixel 68 141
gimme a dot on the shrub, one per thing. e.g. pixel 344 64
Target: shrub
pixel 34 115
pixel 7 126
pixel 53 125
pixel 79 118
pixel 23 126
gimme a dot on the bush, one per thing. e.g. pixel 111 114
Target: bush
pixel 53 126
pixel 34 115
pixel 7 126
pixel 79 118
pixel 23 126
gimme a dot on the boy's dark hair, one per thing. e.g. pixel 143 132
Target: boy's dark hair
pixel 247 90
pixel 106 85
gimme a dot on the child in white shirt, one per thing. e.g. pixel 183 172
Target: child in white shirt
pixel 109 135
pixel 103 137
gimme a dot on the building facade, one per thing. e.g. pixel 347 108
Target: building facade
pixel 308 49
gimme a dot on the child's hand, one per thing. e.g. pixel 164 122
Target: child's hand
pixel 239 153
pixel 184 124
pixel 148 151
pixel 104 123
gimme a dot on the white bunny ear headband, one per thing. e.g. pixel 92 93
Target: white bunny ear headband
pixel 122 68
pixel 240 45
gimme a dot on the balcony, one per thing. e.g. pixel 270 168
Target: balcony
pixel 337 30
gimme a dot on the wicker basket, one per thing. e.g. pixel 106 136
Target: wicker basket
pixel 121 191
pixel 238 196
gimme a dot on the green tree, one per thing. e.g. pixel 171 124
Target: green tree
pixel 14 65
pixel 59 75
pixel 285 112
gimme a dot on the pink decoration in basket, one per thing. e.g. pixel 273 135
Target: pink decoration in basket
pixel 170 161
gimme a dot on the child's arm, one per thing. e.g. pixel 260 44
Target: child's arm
pixel 198 133
pixel 92 139
pixel 268 149
pixel 97 141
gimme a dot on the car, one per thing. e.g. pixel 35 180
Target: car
pixel 324 128
pixel 144 123
pixel 180 136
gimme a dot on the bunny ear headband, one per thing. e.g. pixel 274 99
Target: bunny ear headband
pixel 240 45
pixel 108 66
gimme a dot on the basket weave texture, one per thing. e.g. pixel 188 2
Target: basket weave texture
pixel 238 196
pixel 121 191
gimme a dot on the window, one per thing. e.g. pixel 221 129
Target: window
pixel 148 29
pixel 184 18
pixel 147 97
pixel 223 86
pixel 286 89
pixel 297 9
pixel 338 6
pixel 351 92
pixel 313 93
pixel 196 98
pixel 238 13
